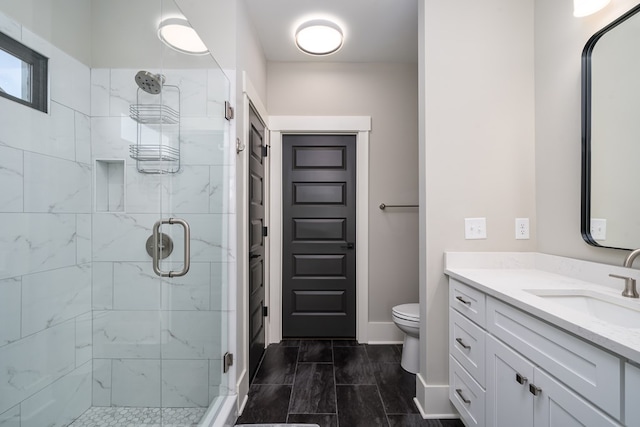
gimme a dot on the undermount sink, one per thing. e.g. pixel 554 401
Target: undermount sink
pixel 616 310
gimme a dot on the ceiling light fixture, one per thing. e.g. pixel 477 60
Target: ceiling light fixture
pixel 587 7
pixel 319 37
pixel 179 35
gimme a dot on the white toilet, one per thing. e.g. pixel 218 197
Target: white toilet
pixel 407 318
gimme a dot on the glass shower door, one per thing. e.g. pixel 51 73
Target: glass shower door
pixel 159 344
pixel 89 333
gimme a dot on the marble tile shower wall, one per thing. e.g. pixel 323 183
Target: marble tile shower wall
pixel 45 247
pixel 157 343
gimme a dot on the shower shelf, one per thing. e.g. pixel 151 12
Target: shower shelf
pixel 154 114
pixel 157 121
pixel 154 153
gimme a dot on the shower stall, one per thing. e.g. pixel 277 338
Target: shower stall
pixel 116 219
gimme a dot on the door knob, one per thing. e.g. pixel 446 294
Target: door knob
pixel 253 255
pixel 348 246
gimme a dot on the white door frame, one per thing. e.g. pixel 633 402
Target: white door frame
pixel 356 125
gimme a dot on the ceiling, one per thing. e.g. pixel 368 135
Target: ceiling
pixel 374 30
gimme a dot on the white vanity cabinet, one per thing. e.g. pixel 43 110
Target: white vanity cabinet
pixel 521 394
pixel 631 395
pixel 530 373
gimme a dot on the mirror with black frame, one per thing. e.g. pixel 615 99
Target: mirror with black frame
pixel 611 135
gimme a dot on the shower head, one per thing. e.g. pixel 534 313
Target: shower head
pixel 149 82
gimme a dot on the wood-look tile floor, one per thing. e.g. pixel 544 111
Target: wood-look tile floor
pixel 334 383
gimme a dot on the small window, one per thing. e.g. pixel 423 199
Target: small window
pixel 23 74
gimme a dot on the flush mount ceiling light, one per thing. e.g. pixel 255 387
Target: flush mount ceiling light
pixel 587 7
pixel 179 35
pixel 319 37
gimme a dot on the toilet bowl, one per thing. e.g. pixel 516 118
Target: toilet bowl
pixel 407 318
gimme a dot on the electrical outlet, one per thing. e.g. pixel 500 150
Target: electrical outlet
pixel 522 228
pixel 598 229
pixel 475 228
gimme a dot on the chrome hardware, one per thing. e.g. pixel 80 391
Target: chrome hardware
pixel 239 146
pixel 520 379
pixel 187 247
pixel 629 286
pixel 228 111
pixel 384 206
pixel 535 390
pixel 464 399
pixel 164 246
pixel 466 347
pixel 462 300
pixel 227 362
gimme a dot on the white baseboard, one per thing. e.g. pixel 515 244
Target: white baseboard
pixel 384 333
pixel 433 400
pixel 221 413
pixel 242 387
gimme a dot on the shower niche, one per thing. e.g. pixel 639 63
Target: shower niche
pixel 157 115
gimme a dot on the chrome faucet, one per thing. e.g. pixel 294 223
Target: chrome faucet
pixel 629 282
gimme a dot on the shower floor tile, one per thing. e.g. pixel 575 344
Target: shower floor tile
pixel 139 417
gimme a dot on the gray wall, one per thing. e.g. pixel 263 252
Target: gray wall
pixel 477 153
pixel 559 41
pixel 387 93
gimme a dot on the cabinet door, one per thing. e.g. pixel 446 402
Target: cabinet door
pixel 509 402
pixel 555 405
pixel 631 387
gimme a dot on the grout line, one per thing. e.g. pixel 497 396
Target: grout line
pixel 335 384
pixel 295 374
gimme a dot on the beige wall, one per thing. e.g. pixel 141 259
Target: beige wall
pixel 478 152
pixel 387 93
pixel 559 41
pixel 64 23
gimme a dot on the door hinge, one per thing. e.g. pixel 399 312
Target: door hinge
pixel 265 151
pixel 227 361
pixel 228 110
pixel 265 311
pixel 265 231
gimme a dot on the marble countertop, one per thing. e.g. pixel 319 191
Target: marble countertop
pixel 509 276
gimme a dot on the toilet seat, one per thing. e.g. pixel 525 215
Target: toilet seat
pixel 409 312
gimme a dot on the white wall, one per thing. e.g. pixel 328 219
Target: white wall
pixel 477 154
pixel 45 246
pixel 387 93
pixel 559 40
pixel 250 68
pixel 64 23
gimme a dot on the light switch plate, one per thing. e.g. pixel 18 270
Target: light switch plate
pixel 475 228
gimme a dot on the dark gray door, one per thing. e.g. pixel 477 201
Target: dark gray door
pixel 257 151
pixel 319 231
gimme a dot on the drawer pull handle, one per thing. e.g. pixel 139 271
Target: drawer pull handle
pixel 535 390
pixel 462 300
pixel 466 347
pixel 464 399
pixel 520 379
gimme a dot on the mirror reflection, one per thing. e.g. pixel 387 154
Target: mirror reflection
pixel 611 135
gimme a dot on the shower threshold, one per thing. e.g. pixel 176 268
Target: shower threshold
pixel 139 417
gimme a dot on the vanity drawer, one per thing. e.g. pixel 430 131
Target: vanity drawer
pixel 466 395
pixel 467 345
pixel 467 301
pixel 592 372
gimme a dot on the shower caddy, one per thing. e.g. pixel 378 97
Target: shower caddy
pixel 157 120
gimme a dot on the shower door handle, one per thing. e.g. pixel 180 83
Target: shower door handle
pixel 187 247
